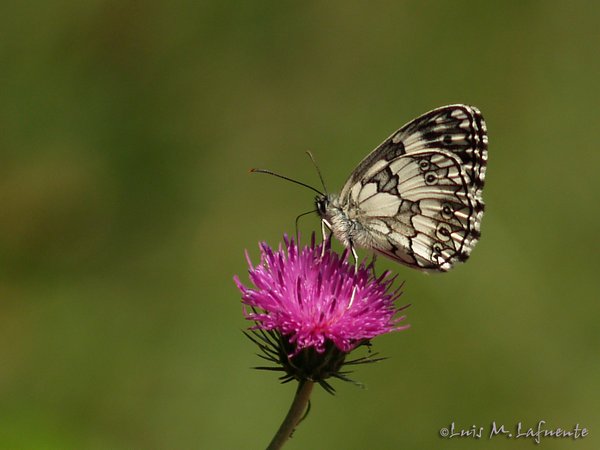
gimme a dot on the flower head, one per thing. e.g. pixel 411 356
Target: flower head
pixel 303 303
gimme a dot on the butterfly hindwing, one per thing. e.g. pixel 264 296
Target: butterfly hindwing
pixel 416 210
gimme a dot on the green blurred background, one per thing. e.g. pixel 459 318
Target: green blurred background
pixel 126 133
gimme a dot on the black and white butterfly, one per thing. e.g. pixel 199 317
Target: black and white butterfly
pixel 416 198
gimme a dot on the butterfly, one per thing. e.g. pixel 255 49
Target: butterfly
pixel 416 198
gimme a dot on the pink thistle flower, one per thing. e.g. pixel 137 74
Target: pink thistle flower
pixel 303 309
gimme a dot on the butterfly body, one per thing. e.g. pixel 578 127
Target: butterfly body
pixel 416 198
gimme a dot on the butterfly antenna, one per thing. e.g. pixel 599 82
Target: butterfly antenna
pixel 314 161
pixel 298 218
pixel 268 172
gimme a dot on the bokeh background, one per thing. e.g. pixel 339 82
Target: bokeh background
pixel 127 129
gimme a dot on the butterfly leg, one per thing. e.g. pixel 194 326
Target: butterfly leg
pixel 325 226
pixel 355 256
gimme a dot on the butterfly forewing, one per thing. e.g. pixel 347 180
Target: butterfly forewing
pixel 417 197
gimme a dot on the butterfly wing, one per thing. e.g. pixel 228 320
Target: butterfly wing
pixel 417 197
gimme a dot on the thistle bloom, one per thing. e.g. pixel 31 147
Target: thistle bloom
pixel 305 296
pixel 311 307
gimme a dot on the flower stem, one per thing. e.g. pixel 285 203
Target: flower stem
pixel 294 415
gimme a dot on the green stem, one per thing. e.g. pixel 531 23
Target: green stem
pixel 293 416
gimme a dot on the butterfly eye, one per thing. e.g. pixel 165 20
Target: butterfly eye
pixel 321 204
pixel 431 178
